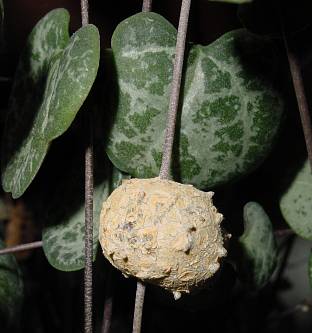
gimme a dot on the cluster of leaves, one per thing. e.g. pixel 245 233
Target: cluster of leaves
pixel 231 112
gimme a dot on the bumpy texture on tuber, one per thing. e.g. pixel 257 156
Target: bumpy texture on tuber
pixel 162 232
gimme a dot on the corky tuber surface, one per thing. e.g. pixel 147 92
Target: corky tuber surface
pixel 162 232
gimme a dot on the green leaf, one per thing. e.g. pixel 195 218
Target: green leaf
pixel 296 202
pixel 63 236
pixel 63 243
pixel 11 289
pixel 54 77
pixel 259 252
pixel 230 111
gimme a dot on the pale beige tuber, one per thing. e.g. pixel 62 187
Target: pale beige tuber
pixel 162 232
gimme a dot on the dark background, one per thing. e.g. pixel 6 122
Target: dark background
pixel 54 299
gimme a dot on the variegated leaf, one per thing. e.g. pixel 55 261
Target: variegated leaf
pixel 63 210
pixel 63 243
pixel 54 76
pixel 229 115
pixel 63 235
pixel 259 252
pixel 296 202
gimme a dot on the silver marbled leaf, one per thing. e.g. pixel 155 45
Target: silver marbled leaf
pixel 230 111
pixel 259 251
pixel 53 78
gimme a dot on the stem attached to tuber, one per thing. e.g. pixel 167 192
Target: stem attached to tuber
pixel 175 90
pixel 170 129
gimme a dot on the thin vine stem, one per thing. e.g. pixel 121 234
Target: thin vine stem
pixel 88 237
pixel 147 5
pixel 283 232
pixel 169 134
pixel 22 247
pixel 140 287
pixel 297 79
pixel 89 187
pixel 175 90
pixel 84 4
pixel 138 307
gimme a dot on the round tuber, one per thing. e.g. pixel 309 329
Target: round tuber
pixel 162 232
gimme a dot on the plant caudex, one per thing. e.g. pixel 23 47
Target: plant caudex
pixel 162 232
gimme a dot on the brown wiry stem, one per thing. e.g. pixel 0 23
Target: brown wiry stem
pixel 169 136
pixel 140 288
pixel 175 90
pixel 147 5
pixel 283 232
pixel 138 307
pixel 297 80
pixel 88 238
pixel 22 247
pixel 84 12
pixel 88 206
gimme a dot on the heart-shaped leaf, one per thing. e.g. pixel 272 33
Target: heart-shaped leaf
pixel 63 243
pixel 63 237
pixel 296 203
pixel 63 240
pixel 259 252
pixel 54 77
pixel 11 289
pixel 230 111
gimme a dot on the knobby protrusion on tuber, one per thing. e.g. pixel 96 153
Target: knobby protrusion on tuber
pixel 162 232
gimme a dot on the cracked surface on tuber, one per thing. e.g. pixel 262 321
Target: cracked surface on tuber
pixel 162 232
